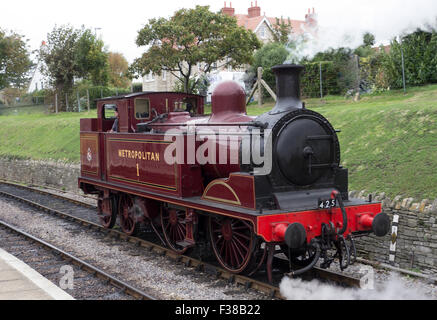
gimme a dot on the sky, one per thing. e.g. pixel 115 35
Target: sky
pixel 118 22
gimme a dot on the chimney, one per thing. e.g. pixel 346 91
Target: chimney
pixel 287 87
pixel 254 11
pixel 311 18
pixel 228 11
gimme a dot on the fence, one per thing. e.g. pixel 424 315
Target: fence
pixel 349 77
pixel 48 101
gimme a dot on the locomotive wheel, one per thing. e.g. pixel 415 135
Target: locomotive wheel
pixel 107 220
pixel 233 242
pixel 173 227
pixel 128 221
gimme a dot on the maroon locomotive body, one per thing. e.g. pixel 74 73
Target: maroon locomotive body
pixel 239 184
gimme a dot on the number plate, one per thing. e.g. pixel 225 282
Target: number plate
pixel 327 204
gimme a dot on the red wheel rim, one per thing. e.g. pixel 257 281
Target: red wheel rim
pixel 173 227
pixel 128 222
pixel 107 220
pixel 232 241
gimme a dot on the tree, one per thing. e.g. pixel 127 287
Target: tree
pixel 59 60
pixel 71 53
pixel 91 59
pixel 282 31
pixel 118 70
pixel 15 62
pixel 338 56
pixel 193 38
pixel 368 39
pixel 365 50
pixel 269 55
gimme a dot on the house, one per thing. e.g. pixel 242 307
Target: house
pixel 263 26
pixel 260 24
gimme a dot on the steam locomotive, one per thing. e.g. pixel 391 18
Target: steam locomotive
pixel 244 186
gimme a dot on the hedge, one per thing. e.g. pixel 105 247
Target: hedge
pixel 310 80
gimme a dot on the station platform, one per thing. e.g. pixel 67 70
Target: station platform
pixel 18 281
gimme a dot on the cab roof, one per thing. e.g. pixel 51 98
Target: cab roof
pixel 136 94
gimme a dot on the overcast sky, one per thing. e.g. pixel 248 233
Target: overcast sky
pixel 120 20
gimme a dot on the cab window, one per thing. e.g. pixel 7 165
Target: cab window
pixel 109 111
pixel 142 108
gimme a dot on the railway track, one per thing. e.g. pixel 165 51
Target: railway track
pixel 90 282
pixel 85 215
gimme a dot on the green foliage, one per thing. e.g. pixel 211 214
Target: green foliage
pixel 137 87
pixel 71 53
pixel 15 62
pixel 372 72
pixel 53 136
pixel 59 57
pixel 420 55
pixel 193 38
pixel 118 70
pixel 97 92
pixel 199 85
pixel 269 55
pixel 282 29
pixel 341 74
pixel 180 86
pixel 368 39
pixel 90 58
pixel 337 56
pixel 310 83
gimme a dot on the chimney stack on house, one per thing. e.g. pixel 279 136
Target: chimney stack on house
pixel 311 18
pixel 229 11
pixel 254 11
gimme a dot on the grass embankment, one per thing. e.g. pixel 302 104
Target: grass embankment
pixel 388 141
pixel 41 136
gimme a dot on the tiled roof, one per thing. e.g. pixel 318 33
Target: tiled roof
pixel 243 20
pixel 296 25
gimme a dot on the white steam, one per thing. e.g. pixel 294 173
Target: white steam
pixel 343 23
pixel 394 289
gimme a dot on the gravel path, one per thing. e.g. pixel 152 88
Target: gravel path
pixel 152 273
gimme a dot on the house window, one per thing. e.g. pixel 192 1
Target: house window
pixel 262 32
pixel 149 77
pixel 164 75
pixel 142 108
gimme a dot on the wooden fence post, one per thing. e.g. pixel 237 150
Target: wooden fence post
pixel 78 101
pixel 88 98
pixel 258 86
pixel 260 91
